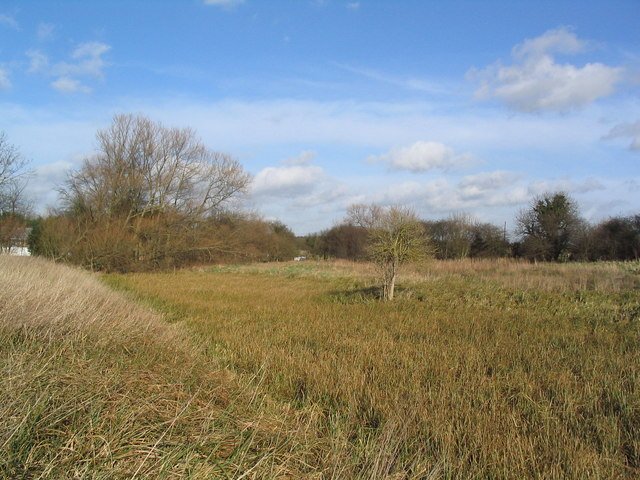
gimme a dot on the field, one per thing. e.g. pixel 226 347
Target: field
pixel 478 370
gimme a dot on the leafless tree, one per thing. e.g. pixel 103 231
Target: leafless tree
pixel 13 204
pixel 13 178
pixel 396 236
pixel 149 193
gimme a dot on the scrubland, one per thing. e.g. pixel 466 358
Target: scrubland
pixel 479 369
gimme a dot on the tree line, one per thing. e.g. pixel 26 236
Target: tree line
pixel 153 197
pixel 550 229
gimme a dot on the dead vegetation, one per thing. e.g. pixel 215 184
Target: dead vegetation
pixel 95 386
pixel 296 370
pixel 482 370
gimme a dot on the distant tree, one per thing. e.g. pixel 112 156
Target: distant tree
pixel 488 241
pixel 14 207
pixel 282 244
pixel 617 238
pixel 12 176
pixel 550 227
pixel 345 241
pixel 452 236
pixel 395 236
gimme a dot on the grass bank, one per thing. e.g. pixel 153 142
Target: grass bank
pixel 94 385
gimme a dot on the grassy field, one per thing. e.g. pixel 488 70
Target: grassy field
pixel 95 386
pixel 295 370
pixel 478 370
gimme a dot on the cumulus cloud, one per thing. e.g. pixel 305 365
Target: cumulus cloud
pixel 69 85
pixel 535 82
pixel 353 5
pixel 5 82
pixel 286 180
pixel 627 130
pixel 560 40
pixel 421 157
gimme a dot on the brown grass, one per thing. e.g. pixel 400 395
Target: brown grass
pixel 481 370
pixel 96 386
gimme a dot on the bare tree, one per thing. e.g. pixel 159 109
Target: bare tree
pixel 13 178
pixel 149 194
pixel 396 236
pixel 13 205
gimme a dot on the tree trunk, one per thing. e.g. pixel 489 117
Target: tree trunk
pixel 389 281
pixel 391 287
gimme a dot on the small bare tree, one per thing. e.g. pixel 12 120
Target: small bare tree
pixel 395 236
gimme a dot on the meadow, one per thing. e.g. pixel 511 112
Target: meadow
pixel 479 369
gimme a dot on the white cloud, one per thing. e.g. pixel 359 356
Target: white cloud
pixel 45 31
pixel 5 82
pixel 223 3
pixel 409 83
pixel 287 180
pixel 69 85
pixel 494 200
pixel 560 40
pixel 9 21
pixel 304 158
pixel 88 61
pixel 344 133
pixel 353 5
pixel 535 82
pixel 479 184
pixel 38 61
pixel 627 130
pixel 421 157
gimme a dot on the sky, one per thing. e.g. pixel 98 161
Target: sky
pixel 444 106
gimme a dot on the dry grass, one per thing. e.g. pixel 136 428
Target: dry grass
pixel 96 386
pixel 481 370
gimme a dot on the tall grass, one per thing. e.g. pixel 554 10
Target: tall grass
pixel 95 386
pixel 480 370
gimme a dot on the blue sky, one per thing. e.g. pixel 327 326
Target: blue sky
pixel 447 107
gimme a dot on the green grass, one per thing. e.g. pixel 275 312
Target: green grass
pixel 478 370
